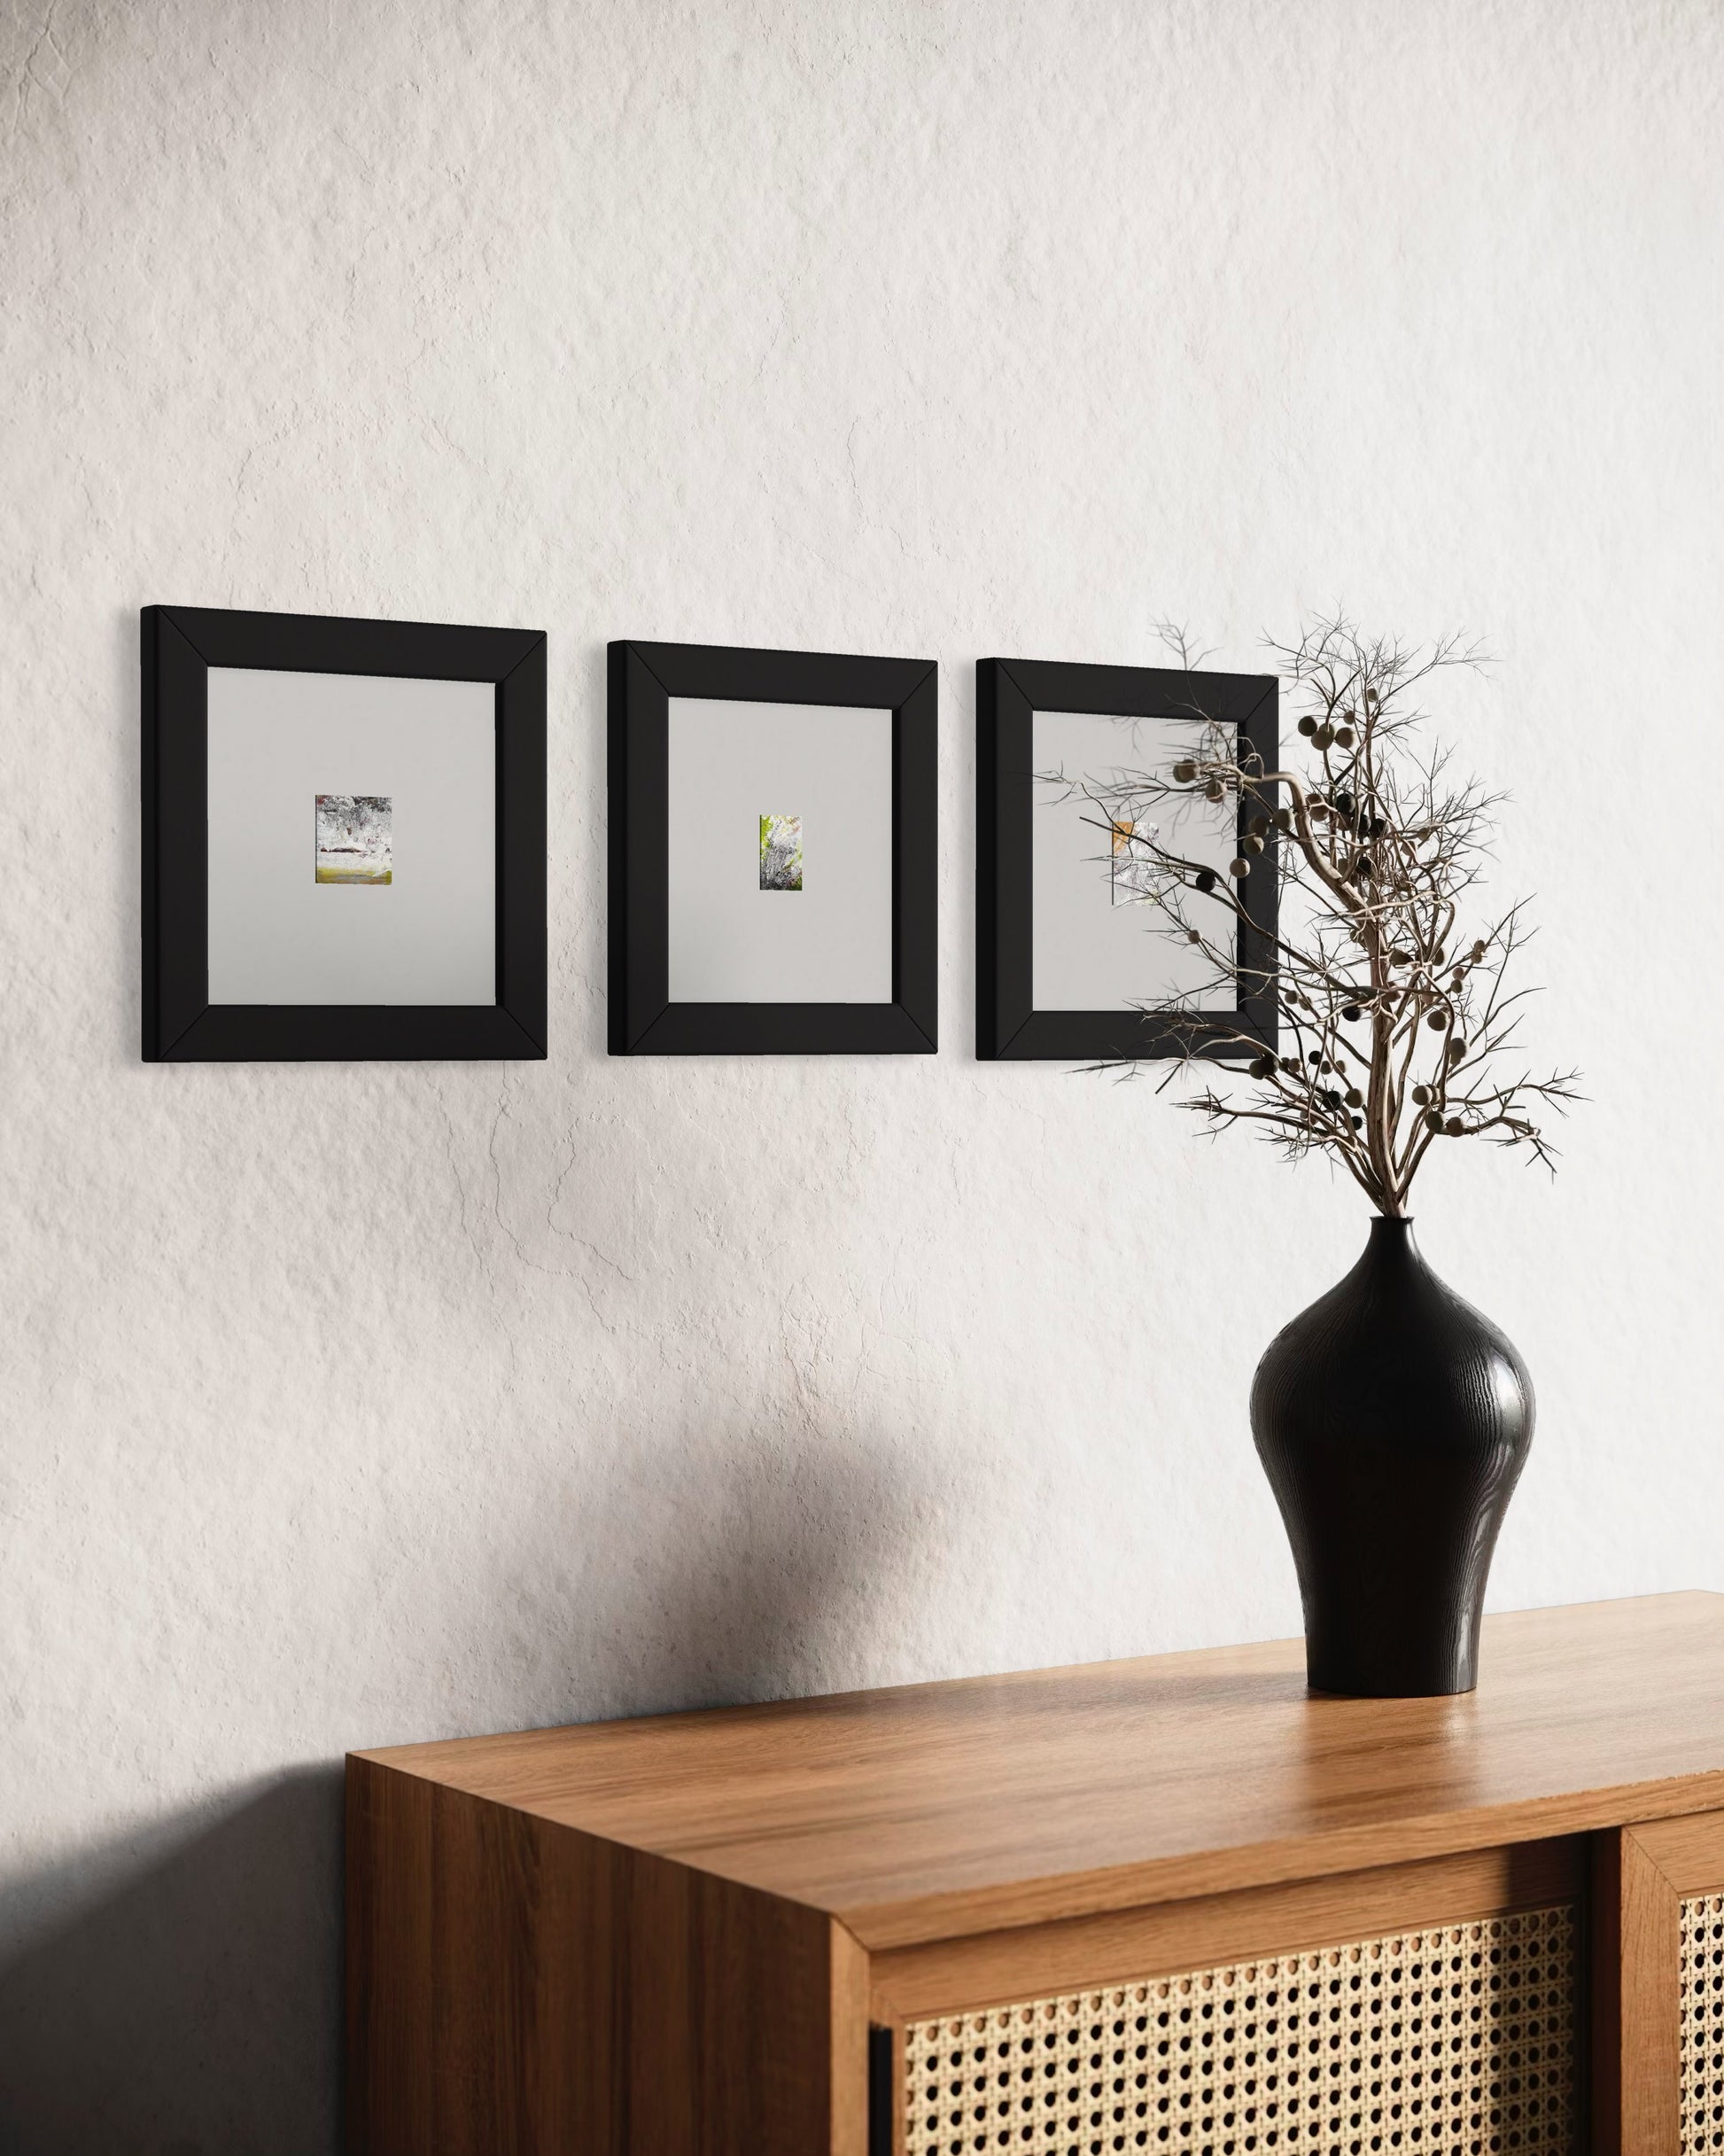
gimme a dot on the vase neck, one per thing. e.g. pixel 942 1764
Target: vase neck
pixel 1392 1238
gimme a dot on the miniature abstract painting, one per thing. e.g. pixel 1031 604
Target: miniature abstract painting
pixel 354 838
pixel 1132 874
pixel 780 853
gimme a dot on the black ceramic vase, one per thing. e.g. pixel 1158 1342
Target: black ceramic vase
pixel 1393 1421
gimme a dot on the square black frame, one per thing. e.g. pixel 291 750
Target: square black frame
pixel 179 645
pixel 643 1020
pixel 1009 692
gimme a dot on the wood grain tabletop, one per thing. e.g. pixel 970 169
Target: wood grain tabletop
pixel 927 1811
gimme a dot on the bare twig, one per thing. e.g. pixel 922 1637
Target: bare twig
pixel 1393 1022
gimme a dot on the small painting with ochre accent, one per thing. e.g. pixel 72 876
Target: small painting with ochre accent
pixel 1133 870
pixel 354 838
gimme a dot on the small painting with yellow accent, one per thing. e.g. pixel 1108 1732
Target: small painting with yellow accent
pixel 355 838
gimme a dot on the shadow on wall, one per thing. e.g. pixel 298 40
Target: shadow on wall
pixel 724 1567
pixel 195 2009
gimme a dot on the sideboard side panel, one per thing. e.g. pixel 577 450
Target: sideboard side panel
pixel 388 2001
pixel 516 1988
pixel 715 2004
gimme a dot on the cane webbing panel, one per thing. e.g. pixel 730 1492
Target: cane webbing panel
pixel 1703 2023
pixel 1459 2041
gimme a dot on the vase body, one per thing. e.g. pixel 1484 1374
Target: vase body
pixel 1393 1421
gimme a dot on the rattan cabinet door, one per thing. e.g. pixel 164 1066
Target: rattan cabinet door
pixel 1454 2033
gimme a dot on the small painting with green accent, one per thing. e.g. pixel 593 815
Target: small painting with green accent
pixel 354 838
pixel 780 853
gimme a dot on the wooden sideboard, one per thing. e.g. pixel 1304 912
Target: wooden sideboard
pixel 1177 1903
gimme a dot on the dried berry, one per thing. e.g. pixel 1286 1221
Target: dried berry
pixel 1352 1013
pixel 1258 825
pixel 1283 819
pixel 1343 736
pixel 1263 1068
pixel 1433 1121
pixel 1323 737
pixel 1205 879
pixel 1213 790
pixel 1354 1098
pixel 1438 1018
pixel 1184 771
pixel 1422 1095
pixel 1253 845
pixel 1194 935
pixel 1358 1122
pixel 1238 868
pixel 1454 1126
pixel 1308 725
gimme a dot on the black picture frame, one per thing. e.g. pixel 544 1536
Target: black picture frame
pixel 1009 692
pixel 179 645
pixel 643 1020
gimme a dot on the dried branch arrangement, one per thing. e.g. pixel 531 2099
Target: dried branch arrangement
pixel 1397 1023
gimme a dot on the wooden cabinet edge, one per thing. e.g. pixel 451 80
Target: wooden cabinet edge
pixel 1688 1850
pixel 852 2090
pixel 513 1985
pixel 387 2004
pixel 884 1927
pixel 1637 1999
pixel 994 1968
pixel 1641 1874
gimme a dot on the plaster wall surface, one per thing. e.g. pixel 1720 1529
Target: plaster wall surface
pixel 347 1406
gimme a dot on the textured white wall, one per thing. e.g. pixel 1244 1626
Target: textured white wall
pixel 940 330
